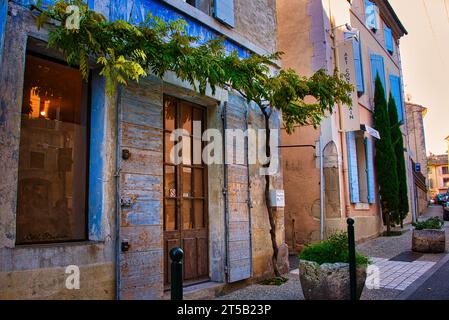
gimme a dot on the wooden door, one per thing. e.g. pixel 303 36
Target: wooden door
pixel 185 192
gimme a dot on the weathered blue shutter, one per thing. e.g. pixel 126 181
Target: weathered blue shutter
pixel 352 168
pixel 3 18
pixel 371 15
pixel 389 39
pixel 358 66
pixel 224 11
pixel 370 170
pixel 357 61
pixel 396 92
pixel 377 68
pixel 239 246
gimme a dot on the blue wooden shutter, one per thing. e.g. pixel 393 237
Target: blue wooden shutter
pixel 239 245
pixel 357 61
pixel 396 92
pixel 389 39
pixel 352 168
pixel 370 170
pixel 371 15
pixel 358 66
pixel 224 11
pixel 377 68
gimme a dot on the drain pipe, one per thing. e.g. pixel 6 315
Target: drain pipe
pixel 117 195
pixel 321 187
pixel 225 187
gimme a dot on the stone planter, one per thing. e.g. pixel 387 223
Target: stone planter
pixel 328 281
pixel 429 241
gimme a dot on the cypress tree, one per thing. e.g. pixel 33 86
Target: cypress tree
pixel 385 158
pixel 398 145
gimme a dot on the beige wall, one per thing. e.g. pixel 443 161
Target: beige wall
pixel 304 36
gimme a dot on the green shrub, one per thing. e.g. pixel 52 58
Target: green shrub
pixel 432 223
pixel 333 250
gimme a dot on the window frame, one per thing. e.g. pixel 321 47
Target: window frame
pixel 86 98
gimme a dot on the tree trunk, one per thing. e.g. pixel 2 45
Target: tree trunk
pixel 387 220
pixel 267 195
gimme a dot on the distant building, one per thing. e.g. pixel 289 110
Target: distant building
pixel 361 38
pixel 438 173
pixel 415 114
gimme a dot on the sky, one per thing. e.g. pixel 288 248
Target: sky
pixel 425 64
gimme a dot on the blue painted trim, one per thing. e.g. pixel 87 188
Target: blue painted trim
pixel 353 168
pixel 97 158
pixel 136 11
pixel 3 18
pixel 370 170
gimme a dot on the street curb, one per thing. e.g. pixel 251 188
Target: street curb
pixel 418 283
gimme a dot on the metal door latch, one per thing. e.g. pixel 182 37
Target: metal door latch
pixel 125 245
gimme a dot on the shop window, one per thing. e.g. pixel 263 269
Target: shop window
pixel 53 167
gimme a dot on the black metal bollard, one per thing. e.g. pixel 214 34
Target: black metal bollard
pixel 352 261
pixel 176 255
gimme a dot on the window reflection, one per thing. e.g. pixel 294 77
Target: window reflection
pixel 51 204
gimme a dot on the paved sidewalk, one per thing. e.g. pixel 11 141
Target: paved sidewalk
pixel 397 267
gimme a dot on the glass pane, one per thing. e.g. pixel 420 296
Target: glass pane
pixel 187 215
pixel 198 121
pixel 187 182
pixel 170 215
pixel 170 182
pixel 186 151
pixel 170 114
pixel 198 183
pixel 199 214
pixel 169 145
pixel 186 118
pixel 51 201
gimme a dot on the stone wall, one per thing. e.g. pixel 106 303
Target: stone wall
pixel 38 271
pixel 256 21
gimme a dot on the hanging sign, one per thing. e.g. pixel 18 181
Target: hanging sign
pixel 351 116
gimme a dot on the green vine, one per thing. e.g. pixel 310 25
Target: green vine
pixel 127 52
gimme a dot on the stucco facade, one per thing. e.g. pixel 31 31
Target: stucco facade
pixel 438 174
pixel 418 155
pixel 126 197
pixel 309 30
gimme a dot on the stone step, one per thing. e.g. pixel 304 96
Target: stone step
pixel 202 291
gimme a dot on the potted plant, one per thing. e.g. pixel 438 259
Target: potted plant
pixel 324 270
pixel 429 236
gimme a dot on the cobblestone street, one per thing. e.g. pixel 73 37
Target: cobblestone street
pixel 399 268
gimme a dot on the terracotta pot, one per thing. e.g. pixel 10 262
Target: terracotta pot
pixel 429 241
pixel 329 281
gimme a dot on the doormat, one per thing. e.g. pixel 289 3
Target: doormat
pixel 407 256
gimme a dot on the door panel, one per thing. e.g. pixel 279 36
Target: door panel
pixel 185 194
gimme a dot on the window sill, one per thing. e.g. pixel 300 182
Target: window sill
pixel 59 244
pixel 362 206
